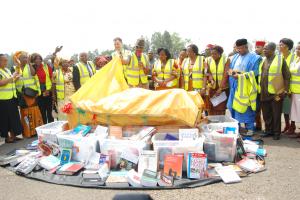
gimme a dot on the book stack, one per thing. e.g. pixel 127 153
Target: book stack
pixel 70 168
pixel 149 178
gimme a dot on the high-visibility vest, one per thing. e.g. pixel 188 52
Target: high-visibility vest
pixel 246 93
pixel 295 76
pixel 274 70
pixel 167 72
pixel 197 73
pixel 48 79
pixel 217 72
pixel 125 54
pixel 28 81
pixel 84 72
pixel 60 84
pixel 134 73
pixel 290 59
pixel 7 91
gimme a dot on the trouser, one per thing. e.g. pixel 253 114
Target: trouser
pixel 45 105
pixel 248 126
pixel 272 116
pixel 258 113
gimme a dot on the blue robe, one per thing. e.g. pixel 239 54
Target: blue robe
pixel 246 63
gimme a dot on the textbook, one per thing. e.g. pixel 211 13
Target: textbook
pixel 148 160
pixel 228 175
pixel 117 179
pixel 188 134
pixel 196 165
pixel 149 178
pixel 70 168
pixel 49 162
pixel 134 179
pixel 173 165
pixel 27 165
pixel 65 156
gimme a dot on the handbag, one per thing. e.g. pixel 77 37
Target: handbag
pixel 30 92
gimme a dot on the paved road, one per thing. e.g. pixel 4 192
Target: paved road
pixel 280 181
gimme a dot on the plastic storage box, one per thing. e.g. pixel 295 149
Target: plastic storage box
pixel 48 132
pixel 219 122
pixel 220 147
pixel 164 147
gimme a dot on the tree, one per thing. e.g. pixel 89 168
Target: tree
pixel 75 58
pixel 173 42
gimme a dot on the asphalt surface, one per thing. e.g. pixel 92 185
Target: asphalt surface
pixel 280 181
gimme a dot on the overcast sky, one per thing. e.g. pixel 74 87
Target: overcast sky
pixel 82 25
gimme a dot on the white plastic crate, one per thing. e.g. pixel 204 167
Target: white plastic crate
pixel 164 147
pixel 218 122
pixel 220 147
pixel 48 131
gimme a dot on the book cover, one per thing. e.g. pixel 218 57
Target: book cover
pixel 104 159
pixel 188 134
pixel 65 156
pixel 173 165
pixel 134 179
pixel 147 160
pixel 149 178
pixel 117 178
pixel 228 175
pixel 27 165
pixel 165 181
pixel 196 165
pixel 49 162
pixel 70 168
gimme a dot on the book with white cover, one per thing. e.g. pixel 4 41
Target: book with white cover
pixel 228 175
pixel 147 160
pixel 188 134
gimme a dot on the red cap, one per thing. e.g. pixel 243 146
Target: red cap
pixel 260 43
pixel 209 46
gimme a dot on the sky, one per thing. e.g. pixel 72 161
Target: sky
pixel 83 25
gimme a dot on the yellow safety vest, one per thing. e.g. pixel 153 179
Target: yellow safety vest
pixel 295 76
pixel 196 74
pixel 126 54
pixel 28 81
pixel 60 84
pixel 84 72
pixel 167 72
pixel 7 91
pixel 48 79
pixel 134 73
pixel 217 72
pixel 246 93
pixel 290 59
pixel 274 70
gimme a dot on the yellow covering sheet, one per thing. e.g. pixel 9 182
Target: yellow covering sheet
pixel 106 99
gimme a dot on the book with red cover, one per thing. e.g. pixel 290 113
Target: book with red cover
pixel 173 165
pixel 70 168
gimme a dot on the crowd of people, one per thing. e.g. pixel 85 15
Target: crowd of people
pixel 261 83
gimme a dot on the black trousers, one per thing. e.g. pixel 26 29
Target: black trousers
pixel 272 116
pixel 45 105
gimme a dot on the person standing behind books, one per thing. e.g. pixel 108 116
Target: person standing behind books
pixel 83 70
pixel 272 68
pixel 10 124
pixel 216 78
pixel 165 71
pixel 138 67
pixel 28 89
pixel 295 90
pixel 63 86
pixel 285 47
pixel 44 74
pixel 121 53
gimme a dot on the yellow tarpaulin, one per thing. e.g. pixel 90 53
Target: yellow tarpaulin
pixel 106 99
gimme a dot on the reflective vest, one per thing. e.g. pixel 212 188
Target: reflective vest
pixel 217 72
pixel 295 76
pixel 28 81
pixel 126 55
pixel 134 73
pixel 7 91
pixel 246 93
pixel 48 79
pixel 84 72
pixel 196 74
pixel 274 70
pixel 60 84
pixel 166 73
pixel 290 59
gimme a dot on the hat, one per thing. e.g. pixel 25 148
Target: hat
pixel 260 43
pixel 241 42
pixel 209 46
pixel 140 43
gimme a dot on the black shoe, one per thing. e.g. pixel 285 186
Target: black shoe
pixel 266 134
pixel 276 137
